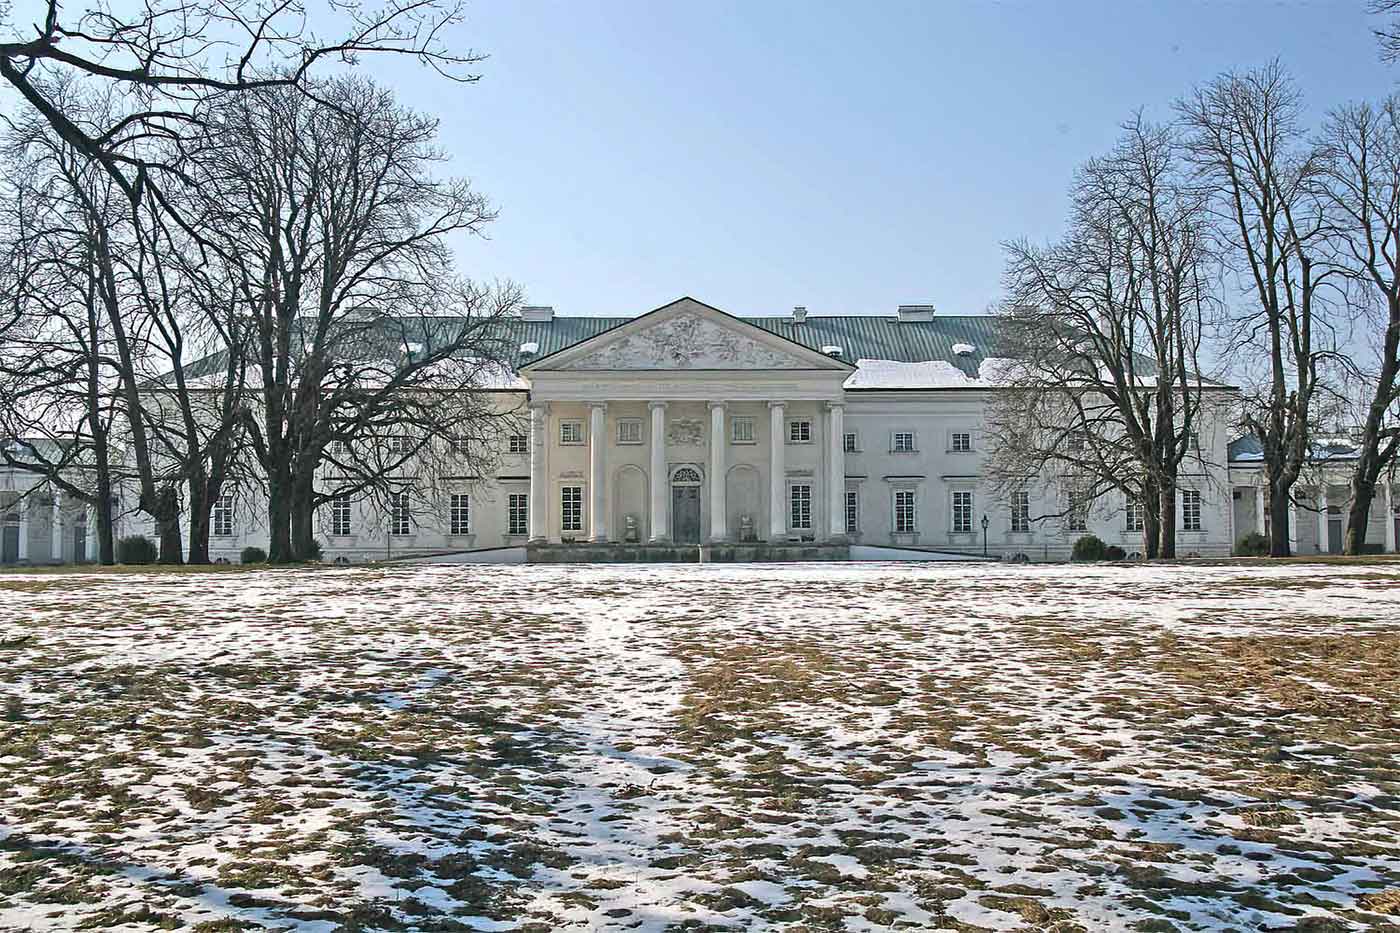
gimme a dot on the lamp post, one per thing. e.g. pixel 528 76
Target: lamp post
pixel 985 523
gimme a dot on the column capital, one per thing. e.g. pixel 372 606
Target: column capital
pixel 598 406
pixel 539 406
pixel 654 405
pixel 777 406
pixel 716 405
pixel 835 406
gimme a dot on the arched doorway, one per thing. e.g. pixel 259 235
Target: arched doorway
pixel 685 505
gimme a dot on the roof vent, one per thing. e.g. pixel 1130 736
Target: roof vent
pixel 799 314
pixel 964 349
pixel 529 348
pixel 537 313
pixel 911 314
pixel 833 350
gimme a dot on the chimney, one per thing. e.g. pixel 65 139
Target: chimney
pixel 915 314
pixel 799 314
pixel 542 314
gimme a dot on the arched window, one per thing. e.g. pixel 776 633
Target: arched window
pixel 686 476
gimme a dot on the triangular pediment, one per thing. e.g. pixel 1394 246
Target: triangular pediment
pixel 687 335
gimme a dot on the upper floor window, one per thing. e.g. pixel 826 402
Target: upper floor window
pixel 519 444
pixel 571 508
pixel 221 518
pixel 1190 510
pixel 961 442
pixel 340 516
pixel 905 511
pixel 339 448
pixel 799 432
pixel 1020 511
pixel 460 514
pixel 629 431
pixel 962 512
pixel 400 514
pixel 571 432
pixel 800 498
pixel 850 443
pixel 902 442
pixel 518 514
pixel 740 430
pixel 400 443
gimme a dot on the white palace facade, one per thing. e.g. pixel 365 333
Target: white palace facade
pixel 689 426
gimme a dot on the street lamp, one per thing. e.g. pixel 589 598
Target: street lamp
pixel 985 523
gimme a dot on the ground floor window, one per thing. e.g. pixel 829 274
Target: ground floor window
pixel 571 508
pixel 904 511
pixel 1077 507
pixel 1190 510
pixel 400 514
pixel 1134 515
pixel 962 512
pixel 221 519
pixel 460 517
pixel 518 514
pixel 1020 511
pixel 340 516
pixel 852 511
pixel 800 498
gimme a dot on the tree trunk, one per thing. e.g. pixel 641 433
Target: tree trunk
pixel 279 516
pixel 1280 518
pixel 303 518
pixel 167 516
pixel 1151 521
pixel 201 502
pixel 1166 505
pixel 106 546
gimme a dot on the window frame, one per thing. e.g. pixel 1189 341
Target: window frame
pixel 852 511
pixel 1077 511
pixel 520 510
pixel 800 507
pixel 459 514
pixel 1020 512
pixel 897 445
pixel 898 510
pixel 954 446
pixel 742 437
pixel 342 525
pixel 1134 514
pixel 629 423
pixel 1192 496
pixel 221 514
pixel 802 427
pixel 577 425
pixel 518 444
pixel 963 527
pixel 400 515
pixel 571 512
pixel 850 442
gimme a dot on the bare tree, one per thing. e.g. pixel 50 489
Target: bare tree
pixel 1252 156
pixel 360 333
pixel 1388 36
pixel 1104 328
pixel 1360 161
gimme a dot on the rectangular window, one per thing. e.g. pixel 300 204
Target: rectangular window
pixel 905 513
pixel 400 444
pixel 1190 510
pixel 400 514
pixel 339 448
pixel 962 442
pixel 852 511
pixel 460 515
pixel 629 431
pixel 1078 510
pixel 519 444
pixel 1134 515
pixel 799 432
pixel 1193 442
pixel 571 508
pixel 571 432
pixel 1020 511
pixel 741 430
pixel 902 442
pixel 851 443
pixel 340 516
pixel 962 512
pixel 518 514
pixel 800 498
pixel 221 519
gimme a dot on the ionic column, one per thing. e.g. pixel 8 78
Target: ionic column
pixel 1323 545
pixel 836 472
pixel 90 544
pixel 23 505
pixel 718 508
pixel 539 485
pixel 1389 517
pixel 777 472
pixel 597 470
pixel 1293 526
pixel 1259 506
pixel 659 481
pixel 56 530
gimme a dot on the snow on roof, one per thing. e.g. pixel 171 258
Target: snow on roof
pixel 964 349
pixel 929 374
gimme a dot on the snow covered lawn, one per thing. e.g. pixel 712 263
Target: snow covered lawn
pixel 804 747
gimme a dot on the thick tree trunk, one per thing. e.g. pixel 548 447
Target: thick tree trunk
pixel 279 516
pixel 201 502
pixel 303 518
pixel 167 516
pixel 1166 505
pixel 106 546
pixel 1151 521
pixel 1280 519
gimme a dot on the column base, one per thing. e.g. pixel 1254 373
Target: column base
pixel 599 539
pixel 540 540
pixel 659 539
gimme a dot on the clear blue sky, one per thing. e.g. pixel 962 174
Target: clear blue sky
pixel 848 157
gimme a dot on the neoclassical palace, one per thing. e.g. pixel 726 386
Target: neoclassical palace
pixel 687 425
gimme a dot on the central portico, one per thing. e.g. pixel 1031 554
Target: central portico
pixel 687 425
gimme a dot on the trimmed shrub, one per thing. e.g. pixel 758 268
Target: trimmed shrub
pixel 253 555
pixel 136 549
pixel 1114 552
pixel 1253 545
pixel 1089 547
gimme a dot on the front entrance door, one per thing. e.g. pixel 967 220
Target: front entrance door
pixel 1334 530
pixel 685 514
pixel 9 543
